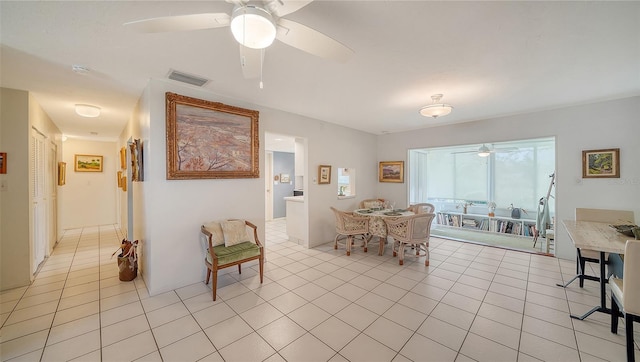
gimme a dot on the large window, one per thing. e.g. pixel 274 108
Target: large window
pixel 514 172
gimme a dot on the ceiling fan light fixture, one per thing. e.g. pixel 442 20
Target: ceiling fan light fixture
pixel 484 151
pixel 86 110
pixel 436 109
pixel 253 27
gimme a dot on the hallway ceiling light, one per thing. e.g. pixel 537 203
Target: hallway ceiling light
pixel 86 110
pixel 436 109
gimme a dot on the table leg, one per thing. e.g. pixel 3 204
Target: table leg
pixel 603 294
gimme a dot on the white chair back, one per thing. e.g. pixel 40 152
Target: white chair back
pixel 631 281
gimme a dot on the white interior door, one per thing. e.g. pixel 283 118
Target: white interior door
pixel 52 196
pixel 40 223
pixel 268 182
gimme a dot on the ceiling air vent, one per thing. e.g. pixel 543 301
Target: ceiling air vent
pixel 187 78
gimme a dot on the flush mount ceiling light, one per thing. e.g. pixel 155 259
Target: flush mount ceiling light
pixel 253 27
pixel 86 110
pixel 484 151
pixel 436 109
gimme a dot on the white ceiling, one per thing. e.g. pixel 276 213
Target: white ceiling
pixel 488 59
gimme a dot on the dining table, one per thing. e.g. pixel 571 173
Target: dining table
pixel 377 226
pixel 601 237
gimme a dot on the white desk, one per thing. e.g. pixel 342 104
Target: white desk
pixel 601 237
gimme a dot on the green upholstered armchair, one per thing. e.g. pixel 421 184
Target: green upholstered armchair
pixel 229 245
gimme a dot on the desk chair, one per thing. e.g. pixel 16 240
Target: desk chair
pixel 625 294
pixel 593 256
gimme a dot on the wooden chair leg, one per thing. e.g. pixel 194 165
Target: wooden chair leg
pixel 348 245
pixel 261 269
pixel 208 275
pixel 628 321
pixel 615 313
pixel 214 283
pixel 239 269
pixel 401 254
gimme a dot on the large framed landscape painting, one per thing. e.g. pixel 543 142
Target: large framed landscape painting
pixel 601 163
pixel 207 140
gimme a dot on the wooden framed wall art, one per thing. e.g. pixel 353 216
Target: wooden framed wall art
pixel 3 162
pixel 87 163
pixel 324 174
pixel 601 163
pixel 62 173
pixel 391 171
pixel 210 140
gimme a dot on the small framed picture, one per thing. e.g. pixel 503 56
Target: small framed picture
pixel 324 174
pixel 62 173
pixel 391 171
pixel 87 163
pixel 284 178
pixel 123 158
pixel 601 163
pixel 3 162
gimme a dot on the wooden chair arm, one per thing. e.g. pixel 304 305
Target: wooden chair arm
pixel 255 232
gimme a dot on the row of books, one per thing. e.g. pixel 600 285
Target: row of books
pixel 493 225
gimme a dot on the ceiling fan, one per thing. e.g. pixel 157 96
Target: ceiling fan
pixel 484 151
pixel 254 25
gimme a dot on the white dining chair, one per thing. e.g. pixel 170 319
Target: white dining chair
pixel 625 294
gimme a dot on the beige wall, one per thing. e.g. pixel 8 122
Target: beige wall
pixel 19 113
pixel 89 198
pixel 14 197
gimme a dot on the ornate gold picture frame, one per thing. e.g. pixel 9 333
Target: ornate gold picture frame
pixel 210 140
pixel 391 171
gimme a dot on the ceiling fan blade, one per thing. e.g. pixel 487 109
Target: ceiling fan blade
pixel 250 61
pixel 180 23
pixel 311 41
pixel 283 7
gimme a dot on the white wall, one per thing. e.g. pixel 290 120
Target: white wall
pixel 89 198
pixel 173 210
pixel 611 124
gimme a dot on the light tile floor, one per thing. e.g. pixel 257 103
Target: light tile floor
pixel 473 303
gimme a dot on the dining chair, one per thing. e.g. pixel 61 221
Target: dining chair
pixel 372 203
pixel 593 256
pixel 349 227
pixel 625 294
pixel 422 208
pixel 413 231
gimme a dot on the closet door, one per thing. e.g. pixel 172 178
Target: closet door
pixel 39 224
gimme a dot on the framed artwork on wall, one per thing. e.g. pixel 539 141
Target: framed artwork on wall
pixel 284 178
pixel 601 163
pixel 324 174
pixel 3 162
pixel 62 173
pixel 87 163
pixel 391 171
pixel 210 140
pixel 123 158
